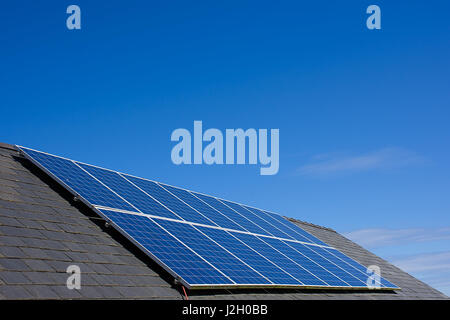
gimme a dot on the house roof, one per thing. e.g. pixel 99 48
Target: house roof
pixel 43 230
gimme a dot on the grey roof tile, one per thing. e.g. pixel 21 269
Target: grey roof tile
pixel 8 196
pixel 8 204
pixel 37 277
pixel 65 293
pixel 13 277
pixel 78 256
pixel 122 280
pixel 97 257
pixel 99 268
pixel 8 221
pixel 135 292
pixel 32 224
pixel 59 266
pixel 86 268
pixel 53 245
pixel 57 255
pixel 15 292
pixel 74 246
pixel 56 235
pixel 38 265
pixel 35 253
pixel 109 292
pixel 42 292
pixel 13 264
pixel 164 292
pixel 20 232
pixel 11 241
pixel 58 278
pixel 10 231
pixel 51 226
pixel 12 252
pixel 150 280
pixel 91 292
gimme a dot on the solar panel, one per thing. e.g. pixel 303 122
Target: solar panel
pixel 204 241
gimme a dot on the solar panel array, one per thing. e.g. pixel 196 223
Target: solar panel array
pixel 204 241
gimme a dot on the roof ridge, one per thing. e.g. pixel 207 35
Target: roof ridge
pixel 309 224
pixel 8 146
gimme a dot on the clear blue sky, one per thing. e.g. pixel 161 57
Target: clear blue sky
pixel 363 115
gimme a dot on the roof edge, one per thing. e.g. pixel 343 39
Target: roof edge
pixel 310 224
pixel 8 146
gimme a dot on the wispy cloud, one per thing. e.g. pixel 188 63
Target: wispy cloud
pixel 375 238
pixel 425 262
pixel 431 268
pixel 379 159
pixel 429 260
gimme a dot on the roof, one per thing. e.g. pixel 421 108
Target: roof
pixel 43 230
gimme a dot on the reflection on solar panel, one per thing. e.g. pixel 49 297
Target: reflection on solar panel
pixel 204 241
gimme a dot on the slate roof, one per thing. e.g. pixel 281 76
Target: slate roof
pixel 43 231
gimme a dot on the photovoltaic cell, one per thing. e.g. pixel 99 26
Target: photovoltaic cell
pixel 208 211
pixel 318 276
pixel 236 217
pixel 219 257
pixel 282 227
pixel 280 260
pixel 315 266
pixel 341 264
pixel 129 192
pixel 167 249
pixel 257 220
pixel 309 252
pixel 169 200
pixel 296 229
pixel 249 256
pixel 363 270
pixel 79 181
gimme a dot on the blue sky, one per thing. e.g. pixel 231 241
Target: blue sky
pixel 363 115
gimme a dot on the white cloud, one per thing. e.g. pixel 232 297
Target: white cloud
pixel 379 159
pixel 431 265
pixel 431 268
pixel 425 262
pixel 375 238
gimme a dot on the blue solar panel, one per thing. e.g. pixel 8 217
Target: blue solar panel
pixel 256 260
pixel 296 229
pixel 356 266
pixel 361 279
pixel 282 261
pixel 169 200
pixel 79 181
pixel 205 241
pixel 260 222
pixel 208 211
pixel 167 249
pixel 129 192
pixel 309 252
pixel 216 255
pixel 319 276
pixel 236 217
pixel 282 227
